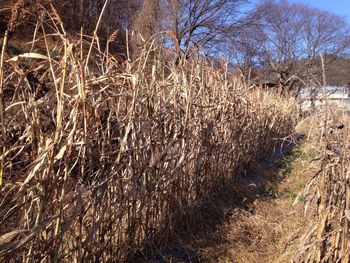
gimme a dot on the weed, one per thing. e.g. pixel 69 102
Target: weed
pixel 111 157
pixel 289 160
pixel 328 193
pixel 271 191
pixel 292 196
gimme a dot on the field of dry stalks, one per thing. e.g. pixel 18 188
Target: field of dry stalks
pixel 304 214
pixel 327 238
pixel 101 159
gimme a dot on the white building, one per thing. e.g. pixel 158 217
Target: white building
pixel 339 96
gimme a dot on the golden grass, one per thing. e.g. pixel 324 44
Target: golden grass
pixel 102 159
pixel 326 239
pixel 266 228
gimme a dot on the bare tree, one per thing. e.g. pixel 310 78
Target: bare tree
pixel 282 27
pixel 147 20
pixel 289 38
pixel 146 24
pixel 198 22
pixel 324 33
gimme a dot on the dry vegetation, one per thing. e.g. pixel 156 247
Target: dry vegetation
pixel 103 159
pixel 263 210
pixel 295 213
pixel 326 239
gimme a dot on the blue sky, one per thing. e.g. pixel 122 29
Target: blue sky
pixel 339 7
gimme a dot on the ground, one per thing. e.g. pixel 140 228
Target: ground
pixel 255 219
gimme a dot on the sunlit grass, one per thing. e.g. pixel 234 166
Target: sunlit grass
pixel 105 158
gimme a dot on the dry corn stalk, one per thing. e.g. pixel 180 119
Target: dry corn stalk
pixel 107 160
pixel 327 238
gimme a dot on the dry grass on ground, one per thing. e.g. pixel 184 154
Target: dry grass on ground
pixel 264 212
pixel 295 206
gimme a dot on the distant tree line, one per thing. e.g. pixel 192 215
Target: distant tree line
pixel 284 40
pixel 274 38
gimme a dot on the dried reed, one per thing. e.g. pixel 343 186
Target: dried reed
pixel 326 239
pixel 107 159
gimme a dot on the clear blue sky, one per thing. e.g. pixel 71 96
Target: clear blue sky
pixel 339 7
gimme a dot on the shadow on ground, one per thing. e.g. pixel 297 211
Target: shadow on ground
pixel 205 227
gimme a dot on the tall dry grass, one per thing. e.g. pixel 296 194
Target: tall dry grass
pixel 327 238
pixel 103 159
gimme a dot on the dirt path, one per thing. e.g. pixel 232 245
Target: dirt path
pixel 271 217
pixel 256 219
